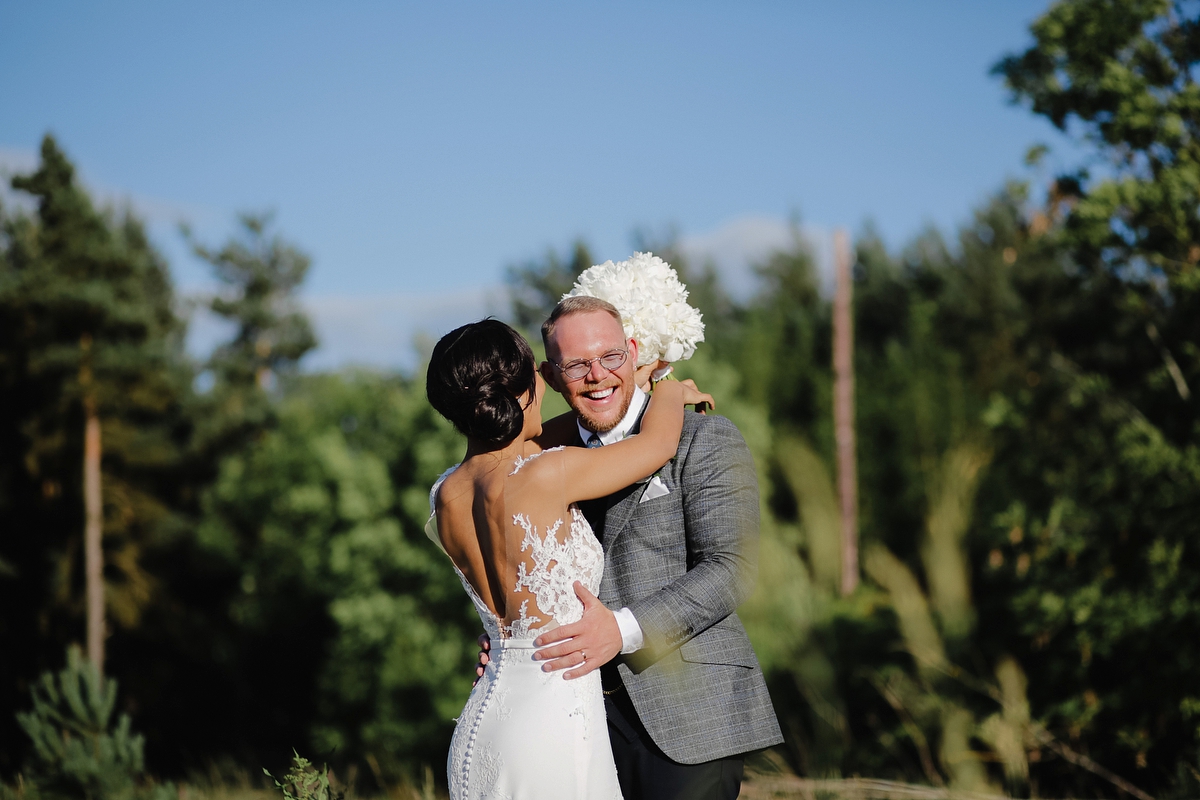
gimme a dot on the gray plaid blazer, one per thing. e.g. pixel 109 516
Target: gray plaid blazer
pixel 682 562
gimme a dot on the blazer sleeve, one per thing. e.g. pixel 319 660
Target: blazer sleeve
pixel 721 519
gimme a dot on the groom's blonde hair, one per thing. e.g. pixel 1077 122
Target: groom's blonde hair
pixel 577 304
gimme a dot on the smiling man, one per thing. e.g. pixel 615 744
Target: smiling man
pixel 684 693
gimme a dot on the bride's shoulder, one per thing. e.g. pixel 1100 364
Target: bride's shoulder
pixel 545 457
pixel 452 483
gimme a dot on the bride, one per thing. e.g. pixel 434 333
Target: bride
pixel 506 517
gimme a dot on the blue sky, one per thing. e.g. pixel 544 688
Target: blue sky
pixel 416 150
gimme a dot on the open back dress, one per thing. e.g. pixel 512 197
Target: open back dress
pixel 524 733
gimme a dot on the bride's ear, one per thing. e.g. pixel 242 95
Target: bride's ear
pixel 531 398
pixel 531 405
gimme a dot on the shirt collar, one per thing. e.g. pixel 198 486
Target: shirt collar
pixel 623 427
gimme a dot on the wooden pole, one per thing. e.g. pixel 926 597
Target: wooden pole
pixel 93 527
pixel 843 408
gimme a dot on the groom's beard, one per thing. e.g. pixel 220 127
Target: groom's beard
pixel 604 426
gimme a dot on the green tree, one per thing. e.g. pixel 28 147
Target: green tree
pixel 1120 75
pixel 95 388
pixel 190 636
pixel 80 752
pixel 354 632
pixel 1101 519
pixel 260 273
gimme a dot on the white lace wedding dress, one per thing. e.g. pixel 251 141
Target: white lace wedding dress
pixel 526 734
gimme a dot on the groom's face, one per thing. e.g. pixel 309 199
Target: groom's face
pixel 601 397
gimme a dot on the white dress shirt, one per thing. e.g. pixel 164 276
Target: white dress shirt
pixel 632 638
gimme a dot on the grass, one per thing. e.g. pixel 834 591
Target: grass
pixel 758 785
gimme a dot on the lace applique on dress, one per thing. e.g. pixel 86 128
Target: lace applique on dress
pixel 523 626
pixel 523 460
pixel 551 576
pixel 503 712
pixel 582 707
pixel 490 766
pixel 552 567
pixel 555 567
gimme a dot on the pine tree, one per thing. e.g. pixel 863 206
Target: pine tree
pixel 79 750
pixel 261 273
pixel 100 327
pixel 92 420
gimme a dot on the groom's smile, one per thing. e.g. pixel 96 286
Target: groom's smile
pixel 599 395
pixel 601 408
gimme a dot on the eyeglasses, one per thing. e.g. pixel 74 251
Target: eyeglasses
pixel 611 361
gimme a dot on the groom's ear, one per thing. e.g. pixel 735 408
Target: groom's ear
pixel 550 375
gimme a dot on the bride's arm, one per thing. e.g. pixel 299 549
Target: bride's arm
pixel 603 470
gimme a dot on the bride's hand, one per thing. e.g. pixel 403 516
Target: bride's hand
pixel 692 396
pixel 641 376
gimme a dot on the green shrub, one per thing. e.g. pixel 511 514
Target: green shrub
pixel 78 752
pixel 305 782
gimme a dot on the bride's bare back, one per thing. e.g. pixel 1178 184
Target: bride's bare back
pixel 517 541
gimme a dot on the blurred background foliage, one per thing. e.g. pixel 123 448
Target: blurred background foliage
pixel 1028 449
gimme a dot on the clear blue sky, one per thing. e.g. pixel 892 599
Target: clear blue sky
pixel 415 150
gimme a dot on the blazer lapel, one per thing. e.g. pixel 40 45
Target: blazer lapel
pixel 621 505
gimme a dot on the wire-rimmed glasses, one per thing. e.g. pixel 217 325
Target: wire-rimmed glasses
pixel 611 361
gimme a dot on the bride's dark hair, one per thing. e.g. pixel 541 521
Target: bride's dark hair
pixel 476 374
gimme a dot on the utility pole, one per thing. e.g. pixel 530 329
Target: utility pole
pixel 843 407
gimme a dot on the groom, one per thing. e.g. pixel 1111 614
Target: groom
pixel 684 693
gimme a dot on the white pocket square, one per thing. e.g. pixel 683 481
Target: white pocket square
pixel 656 488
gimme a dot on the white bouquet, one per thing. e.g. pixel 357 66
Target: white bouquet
pixel 653 305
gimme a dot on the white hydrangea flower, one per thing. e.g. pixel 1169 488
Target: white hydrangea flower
pixel 653 305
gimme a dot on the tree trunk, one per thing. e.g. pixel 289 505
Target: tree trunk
pixel 93 514
pixel 843 409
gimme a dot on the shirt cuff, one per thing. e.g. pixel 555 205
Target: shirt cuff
pixel 631 632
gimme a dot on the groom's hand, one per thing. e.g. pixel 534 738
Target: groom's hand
pixel 485 644
pixel 595 635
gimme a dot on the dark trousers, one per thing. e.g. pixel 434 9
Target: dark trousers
pixel 645 772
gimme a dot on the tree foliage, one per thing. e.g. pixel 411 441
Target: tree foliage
pixel 259 273
pixel 1116 554
pixel 88 320
pixel 536 286
pixel 342 602
pixel 1028 452
pixel 80 751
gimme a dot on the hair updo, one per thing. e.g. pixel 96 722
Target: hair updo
pixel 476 374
